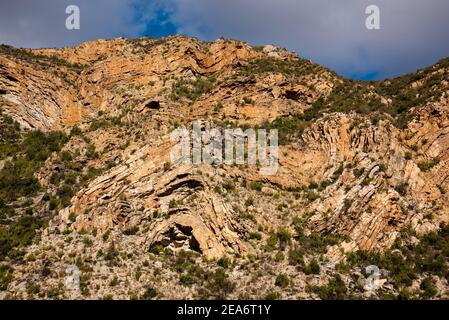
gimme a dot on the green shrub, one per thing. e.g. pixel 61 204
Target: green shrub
pixel 426 166
pixel 272 241
pixel 312 196
pixel 313 185
pixel 256 186
pixel 191 89
pixel 358 172
pixel 20 233
pixel 104 123
pixel 112 253
pixel 338 172
pixel 114 282
pixel 158 249
pixel 186 280
pixel 312 268
pixel 173 204
pixel 150 293
pixel 224 262
pixel 106 235
pixel 87 241
pixel 282 281
pixel 248 100
pixel 401 188
pixel 272 295
pixel 315 242
pixel 334 290
pixel 296 68
pixel 255 235
pixel 218 106
pixel 343 267
pixel 17 179
pixel 184 261
pixel 284 237
pixel 279 257
pixel 65 194
pixel 75 131
pixel 296 256
pixel 290 128
pixel 32 288
pixel 6 276
pixel 10 136
pixel 382 167
pixel 53 204
pixel 228 185
pixel 131 231
pixel 219 284
pixel 72 217
pixel 428 288
pixel 249 202
pixel 91 152
pixel 65 156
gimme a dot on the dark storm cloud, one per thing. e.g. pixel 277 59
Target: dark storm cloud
pixel 413 34
pixel 41 23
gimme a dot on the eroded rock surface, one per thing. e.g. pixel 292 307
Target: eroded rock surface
pixel 356 177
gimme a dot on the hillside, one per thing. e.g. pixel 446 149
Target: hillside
pixel 87 180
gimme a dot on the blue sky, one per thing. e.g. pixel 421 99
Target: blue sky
pixel 161 26
pixel 413 34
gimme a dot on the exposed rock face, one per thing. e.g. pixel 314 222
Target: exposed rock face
pixel 38 99
pixel 353 176
pixel 136 192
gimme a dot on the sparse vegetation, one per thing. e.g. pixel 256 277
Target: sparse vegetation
pixel 290 128
pixel 426 166
pixel 149 294
pixel 312 268
pixel 334 290
pixel 295 68
pixel 272 295
pixel 256 186
pixel 406 261
pixel 131 231
pixel 128 233
pixel 401 188
pixel 18 234
pixel 191 89
pixel 42 61
pixel 6 276
pixel 408 155
pixel 428 288
pixel 218 284
pixel 17 175
pixel 282 281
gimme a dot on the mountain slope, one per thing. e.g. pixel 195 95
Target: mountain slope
pixel 362 177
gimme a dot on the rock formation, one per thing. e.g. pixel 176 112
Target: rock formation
pixel 351 169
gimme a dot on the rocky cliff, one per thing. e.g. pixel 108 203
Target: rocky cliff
pixel 362 175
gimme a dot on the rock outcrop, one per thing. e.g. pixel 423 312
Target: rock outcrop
pixel 349 174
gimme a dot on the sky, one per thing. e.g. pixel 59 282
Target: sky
pixel 413 33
